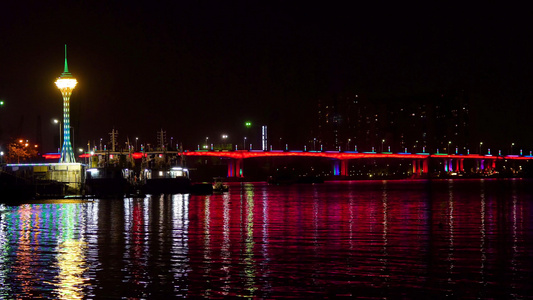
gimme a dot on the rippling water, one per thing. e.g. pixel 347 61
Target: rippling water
pixel 369 239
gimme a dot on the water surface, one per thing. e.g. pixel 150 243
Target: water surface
pixel 369 239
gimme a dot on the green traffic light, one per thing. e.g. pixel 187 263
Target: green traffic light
pixel 248 124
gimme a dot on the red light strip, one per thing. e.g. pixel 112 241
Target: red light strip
pixel 333 155
pixel 341 155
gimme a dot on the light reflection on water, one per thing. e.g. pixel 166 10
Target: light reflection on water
pixel 374 239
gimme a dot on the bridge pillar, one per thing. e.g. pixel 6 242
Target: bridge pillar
pixel 445 165
pixel 450 165
pixel 459 165
pixel 420 167
pixel 490 165
pixel 344 167
pixel 231 168
pixel 238 168
pixel 336 167
pixel 235 168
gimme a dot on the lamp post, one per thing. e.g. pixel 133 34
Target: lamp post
pixel 244 144
pixel 56 121
pixel 512 145
pixel 136 140
pixel 480 144
pixel 224 138
pixel 382 141
pixel 206 144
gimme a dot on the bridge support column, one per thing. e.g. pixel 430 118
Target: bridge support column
pixel 446 165
pixel 490 165
pixel 344 167
pixel 235 168
pixel 450 165
pixel 425 168
pixel 416 167
pixel 481 165
pixel 238 168
pixel 459 165
pixel 231 168
pixel 336 167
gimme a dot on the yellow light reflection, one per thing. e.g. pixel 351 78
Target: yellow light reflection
pixel 24 257
pixel 249 261
pixel 71 263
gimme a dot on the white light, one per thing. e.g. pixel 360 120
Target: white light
pixel 66 83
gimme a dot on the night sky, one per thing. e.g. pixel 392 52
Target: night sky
pixel 198 69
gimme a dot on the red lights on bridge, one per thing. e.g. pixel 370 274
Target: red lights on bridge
pixel 242 154
pixel 341 155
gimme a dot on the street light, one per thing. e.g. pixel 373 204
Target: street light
pixel 382 141
pixel 206 144
pixel 512 145
pixel 480 144
pixel 136 139
pixel 244 144
pixel 56 121
pixel 224 137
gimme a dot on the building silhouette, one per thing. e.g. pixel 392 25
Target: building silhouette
pixel 433 122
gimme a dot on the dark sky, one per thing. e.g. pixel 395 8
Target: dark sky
pixel 200 69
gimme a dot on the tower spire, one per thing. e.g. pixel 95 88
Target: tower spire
pixel 66 65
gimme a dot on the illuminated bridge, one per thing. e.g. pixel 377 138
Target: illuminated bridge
pixel 482 163
pixel 340 160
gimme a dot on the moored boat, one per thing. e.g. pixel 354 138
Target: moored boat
pixel 174 180
pixel 108 182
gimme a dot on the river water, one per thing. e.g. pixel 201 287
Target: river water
pixel 367 239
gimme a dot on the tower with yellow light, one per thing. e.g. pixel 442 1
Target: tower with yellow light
pixel 66 84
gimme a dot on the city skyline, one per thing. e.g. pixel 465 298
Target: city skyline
pixel 203 71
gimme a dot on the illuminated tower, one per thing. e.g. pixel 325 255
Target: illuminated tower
pixel 66 83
